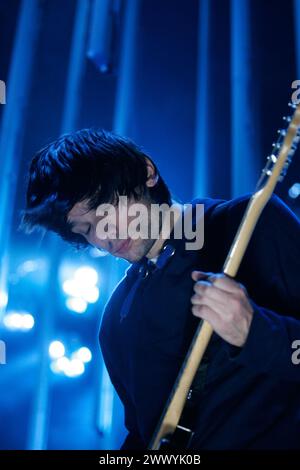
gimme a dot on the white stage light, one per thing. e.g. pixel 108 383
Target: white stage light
pixel 74 368
pixel 62 364
pixel 27 321
pixel 15 320
pixel 76 289
pixel 70 287
pixel 83 354
pixel 86 275
pixel 90 294
pixel 56 349
pixel 76 304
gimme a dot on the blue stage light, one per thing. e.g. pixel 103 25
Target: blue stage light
pixel 97 253
pixel 30 266
pixel 3 299
pixel 294 191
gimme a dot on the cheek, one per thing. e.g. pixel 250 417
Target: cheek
pixel 97 242
pixel 121 221
pixel 105 228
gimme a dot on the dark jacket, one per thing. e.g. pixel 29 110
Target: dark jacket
pixel 251 395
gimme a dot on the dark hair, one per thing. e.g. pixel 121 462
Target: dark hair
pixel 88 164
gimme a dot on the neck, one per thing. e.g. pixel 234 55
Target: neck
pixel 167 227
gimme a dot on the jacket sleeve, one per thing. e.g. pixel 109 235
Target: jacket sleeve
pixel 133 439
pixel 270 345
pixel 271 273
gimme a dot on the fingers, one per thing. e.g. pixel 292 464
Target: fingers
pixel 222 281
pixel 196 275
pixel 206 313
pixel 211 295
pixel 224 304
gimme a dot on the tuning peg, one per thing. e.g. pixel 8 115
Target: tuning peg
pixel 283 173
pixel 276 145
pixel 291 154
pixel 292 105
pixel 281 177
pixel 267 172
pixel 281 132
pixel 272 157
pixel 287 118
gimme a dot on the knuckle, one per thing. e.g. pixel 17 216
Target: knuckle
pixel 217 278
pixel 235 304
pixel 203 289
pixel 230 318
pixel 194 309
pixel 242 290
pixel 197 287
pixel 197 310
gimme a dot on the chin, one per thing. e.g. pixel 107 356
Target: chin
pixel 133 258
pixel 136 253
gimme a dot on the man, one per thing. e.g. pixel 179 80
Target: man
pixel 247 388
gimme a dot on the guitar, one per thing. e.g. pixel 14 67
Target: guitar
pixel 169 434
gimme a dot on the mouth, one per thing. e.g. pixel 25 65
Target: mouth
pixel 122 248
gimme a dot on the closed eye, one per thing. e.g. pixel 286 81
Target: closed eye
pixel 88 231
pixel 80 232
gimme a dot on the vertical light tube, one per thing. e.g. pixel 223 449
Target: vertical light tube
pixel 201 166
pixel 17 93
pixel 100 35
pixel 125 84
pixel 76 67
pixel 121 125
pixel 40 419
pixel 297 36
pixel 244 130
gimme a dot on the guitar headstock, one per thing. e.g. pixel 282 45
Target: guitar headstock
pixel 283 150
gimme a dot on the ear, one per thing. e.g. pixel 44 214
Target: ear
pixel 151 174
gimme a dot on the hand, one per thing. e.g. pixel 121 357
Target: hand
pixel 224 304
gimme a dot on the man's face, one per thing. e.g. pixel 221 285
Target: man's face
pixel 88 223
